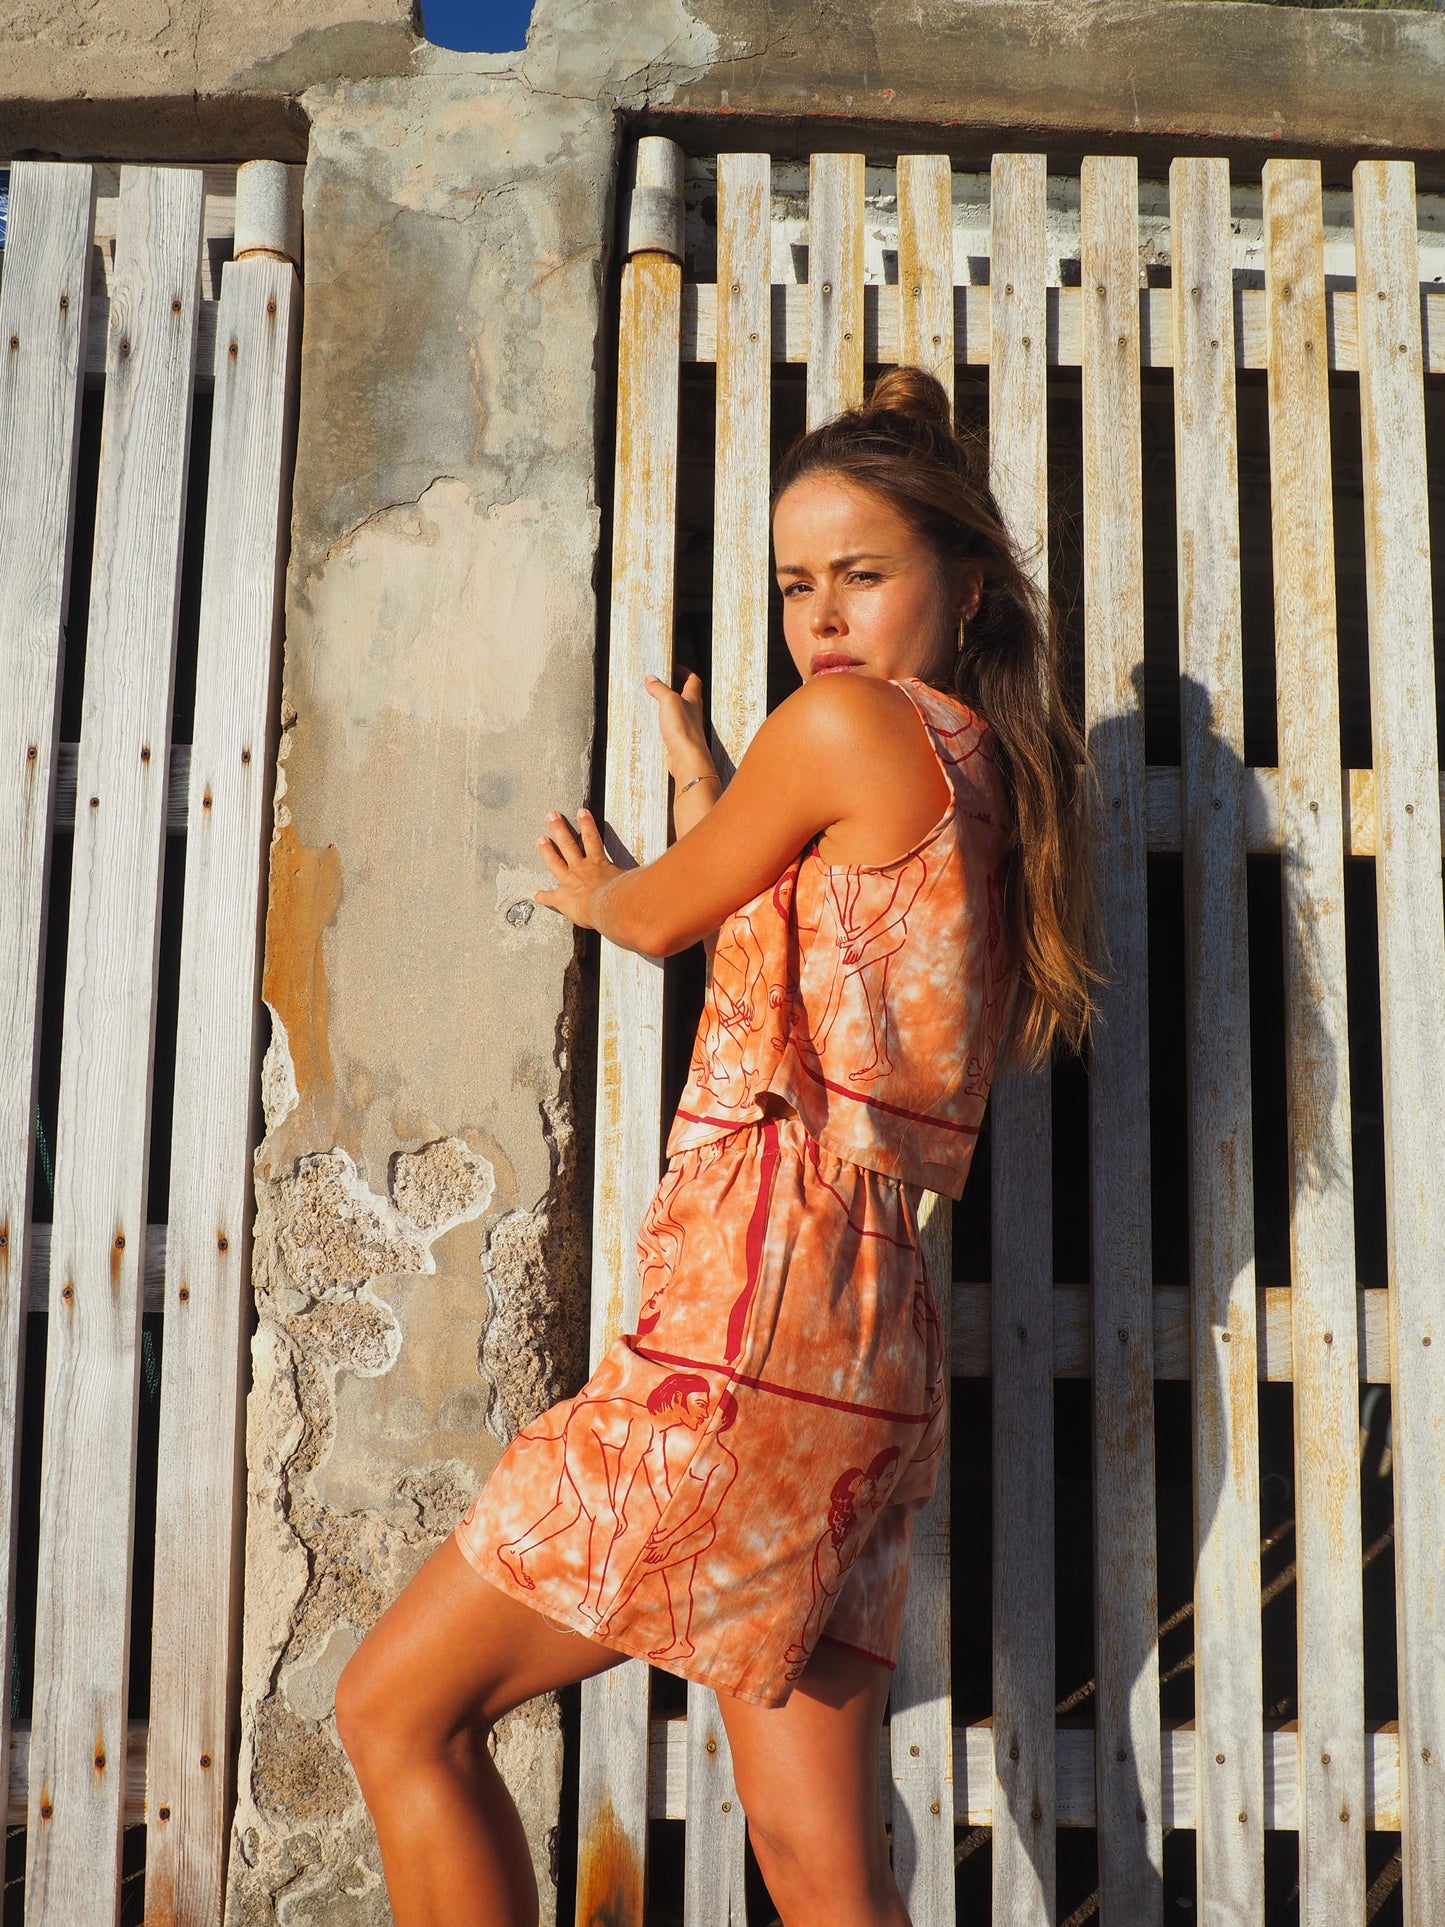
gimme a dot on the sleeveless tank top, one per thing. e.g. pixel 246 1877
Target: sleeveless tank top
pixel 871 998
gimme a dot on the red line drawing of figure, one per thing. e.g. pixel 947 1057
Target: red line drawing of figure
pixel 659 1248
pixel 998 978
pixel 733 1010
pixel 605 1441
pixel 674 1552
pixel 864 950
pixel 858 1497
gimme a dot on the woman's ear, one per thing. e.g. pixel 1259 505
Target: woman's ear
pixel 968 589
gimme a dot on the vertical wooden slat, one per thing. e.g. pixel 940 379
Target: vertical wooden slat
pixel 43 307
pixel 208 1220
pixel 77 1761
pixel 612 1799
pixel 716 1827
pixel 1412 983
pixel 835 285
pixel 1228 1705
pixel 921 1703
pixel 1023 1422
pixel 1322 1218
pixel 1126 1593
pixel 925 264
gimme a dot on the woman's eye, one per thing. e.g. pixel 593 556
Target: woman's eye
pixel 863 575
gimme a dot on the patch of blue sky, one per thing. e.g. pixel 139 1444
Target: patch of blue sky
pixel 477 26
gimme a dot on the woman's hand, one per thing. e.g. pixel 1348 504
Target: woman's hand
pixel 581 870
pixel 684 727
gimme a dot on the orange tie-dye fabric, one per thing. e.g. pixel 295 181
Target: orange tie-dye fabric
pixel 739 1476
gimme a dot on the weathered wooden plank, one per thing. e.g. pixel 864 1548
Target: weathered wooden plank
pixel 1161 803
pixel 612 1804
pixel 87 1475
pixel 198 1493
pixel 153 1269
pixel 42 324
pixel 716 1835
pixel 921 1702
pixel 1126 1593
pixel 1064 308
pixel 1021 1116
pixel 972 1349
pixel 1412 982
pixel 835 285
pixel 973 1745
pixel 1228 1692
pixel 1322 1219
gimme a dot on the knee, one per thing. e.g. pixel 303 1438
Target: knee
pixel 362 1710
pixel 381 1722
pixel 813 1877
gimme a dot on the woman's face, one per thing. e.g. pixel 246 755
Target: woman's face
pixel 861 591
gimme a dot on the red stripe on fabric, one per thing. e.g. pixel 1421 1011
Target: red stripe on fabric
pixel 757 1229
pixel 878 1103
pixel 779 1391
pixel 859 1652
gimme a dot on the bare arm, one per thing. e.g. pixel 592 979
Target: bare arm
pixel 839 753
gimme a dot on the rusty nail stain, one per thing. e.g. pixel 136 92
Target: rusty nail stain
pixel 917 292
pixel 1025 342
pixel 1329 1340
pixel 1324 1759
pixel 727 1806
pixel 1013 1751
pixel 245 755
pixel 233 351
pixel 163 1813
pixel 125 344
pixel 14 343
pixel 1008 287
pixel 206 799
pixel 933 1806
pixel 4 1236
pixel 271 305
pixel 1243 1818
pixel 222 1243
pixel 711 1745
pixel 120 1241
pixel 46 1810
pixel 1345 1815
pixel 1315 807
pixel 31 752
pixel 737 289
pixel 175 304
pixel 145 752
pixel 205 1763
pixel 1425 1754
pixel 848 336
pixel 1101 291
pixel 185 1293
pixel 1409 809
pixel 67 1291
pixel 1219 1759
pixel 913 1752
pixel 100 1763
pixel 65 304
pixel 752 337
pixel 1226 1336
pixel 1426 1339
pixel 95 802
pixel 1214 344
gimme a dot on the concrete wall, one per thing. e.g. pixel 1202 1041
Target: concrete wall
pixel 423 1188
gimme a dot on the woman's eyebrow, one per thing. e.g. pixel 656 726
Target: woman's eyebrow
pixel 838 562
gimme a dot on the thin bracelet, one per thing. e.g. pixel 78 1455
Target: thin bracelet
pixel 697 779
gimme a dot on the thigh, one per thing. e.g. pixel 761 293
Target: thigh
pixel 807 1771
pixel 453 1651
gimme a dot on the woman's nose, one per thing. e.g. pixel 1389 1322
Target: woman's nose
pixel 826 618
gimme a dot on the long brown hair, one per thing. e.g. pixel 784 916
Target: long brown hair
pixel 903 446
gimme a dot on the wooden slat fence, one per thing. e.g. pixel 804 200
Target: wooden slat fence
pixel 116 284
pixel 1231 1774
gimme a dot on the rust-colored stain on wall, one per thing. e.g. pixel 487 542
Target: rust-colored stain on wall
pixel 305 889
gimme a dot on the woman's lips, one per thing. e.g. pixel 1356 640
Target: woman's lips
pixel 827 659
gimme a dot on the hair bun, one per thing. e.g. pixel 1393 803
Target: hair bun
pixel 914 393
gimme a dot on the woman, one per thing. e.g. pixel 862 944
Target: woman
pixel 891 884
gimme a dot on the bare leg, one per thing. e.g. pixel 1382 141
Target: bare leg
pixel 414 1706
pixel 807 1775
